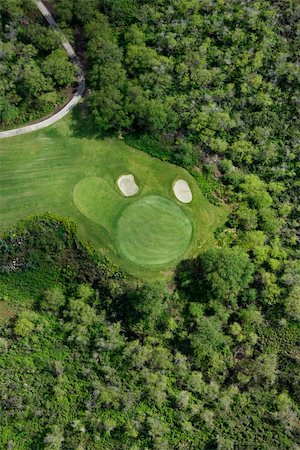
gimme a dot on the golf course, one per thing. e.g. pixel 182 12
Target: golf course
pixel 144 214
pixel 55 170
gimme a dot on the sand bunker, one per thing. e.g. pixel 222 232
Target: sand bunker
pixel 127 185
pixel 182 191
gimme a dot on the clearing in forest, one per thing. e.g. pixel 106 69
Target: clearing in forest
pixel 56 170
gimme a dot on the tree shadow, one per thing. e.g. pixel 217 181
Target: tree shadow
pixel 83 125
pixel 186 276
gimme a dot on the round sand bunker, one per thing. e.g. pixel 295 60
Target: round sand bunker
pixel 182 191
pixel 127 185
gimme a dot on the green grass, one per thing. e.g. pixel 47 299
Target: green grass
pixel 153 231
pixel 57 170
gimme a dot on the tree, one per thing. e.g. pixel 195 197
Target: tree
pixel 106 105
pixel 266 368
pixel 271 290
pixel 146 306
pixel 47 101
pixel 85 291
pixel 85 9
pixel 243 151
pixel 64 10
pixel 223 273
pixel 256 191
pixel 251 316
pixel 8 112
pixel 54 439
pixel 292 303
pixel 58 66
pixel 23 327
pixel 286 412
pixel 45 39
pixel 3 345
pixel 206 341
pixel 80 313
pixel 247 217
pixel 33 81
pixel 53 299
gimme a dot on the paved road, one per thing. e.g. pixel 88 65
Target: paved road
pixel 74 100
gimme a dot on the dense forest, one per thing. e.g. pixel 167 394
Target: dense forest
pixel 92 358
pixel 35 73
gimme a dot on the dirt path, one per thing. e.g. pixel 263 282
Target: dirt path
pixel 74 100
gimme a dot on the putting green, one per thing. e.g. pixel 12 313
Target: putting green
pixel 153 231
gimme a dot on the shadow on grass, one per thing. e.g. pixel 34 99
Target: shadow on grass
pixel 83 125
pixel 186 275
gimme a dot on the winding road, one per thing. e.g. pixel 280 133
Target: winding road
pixel 74 100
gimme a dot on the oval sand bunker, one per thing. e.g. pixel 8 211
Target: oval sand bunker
pixel 127 185
pixel 182 191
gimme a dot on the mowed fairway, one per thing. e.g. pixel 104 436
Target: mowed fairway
pixel 55 171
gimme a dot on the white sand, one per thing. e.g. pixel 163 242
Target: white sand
pixel 182 191
pixel 127 185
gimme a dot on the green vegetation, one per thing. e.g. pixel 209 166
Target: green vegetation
pixel 130 365
pixel 153 231
pixel 36 73
pixel 54 171
pixel 202 76
pixel 207 355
